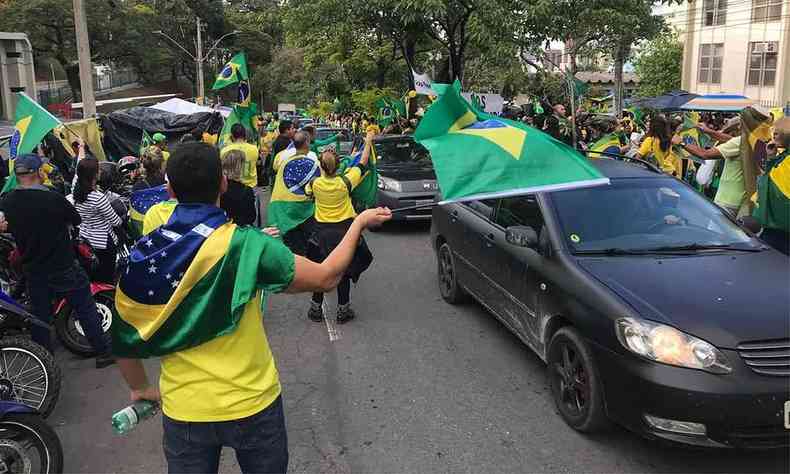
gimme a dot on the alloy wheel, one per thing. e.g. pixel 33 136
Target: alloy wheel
pixel 574 389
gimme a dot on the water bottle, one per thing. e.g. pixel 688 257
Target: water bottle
pixel 127 419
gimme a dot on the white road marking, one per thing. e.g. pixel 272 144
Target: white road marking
pixel 331 330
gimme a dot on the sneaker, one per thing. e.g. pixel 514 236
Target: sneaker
pixel 104 360
pixel 345 314
pixel 316 312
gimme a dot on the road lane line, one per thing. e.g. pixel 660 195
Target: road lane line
pixel 331 330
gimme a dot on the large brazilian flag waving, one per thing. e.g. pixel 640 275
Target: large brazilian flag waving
pixel 481 156
pixel 33 122
pixel 185 283
pixel 233 72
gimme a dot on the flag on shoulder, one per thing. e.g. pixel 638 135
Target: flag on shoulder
pixel 290 205
pixel 186 284
pixel 481 156
pixel 773 195
pixel 32 123
pixel 233 72
pixel 140 202
pixel 609 143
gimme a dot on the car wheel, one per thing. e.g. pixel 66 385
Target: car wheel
pixel 574 381
pixel 448 277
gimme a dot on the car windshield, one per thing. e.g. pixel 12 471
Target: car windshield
pixel 644 215
pixel 324 133
pixel 402 152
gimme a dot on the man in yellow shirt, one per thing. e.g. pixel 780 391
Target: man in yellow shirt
pixel 225 390
pixel 249 173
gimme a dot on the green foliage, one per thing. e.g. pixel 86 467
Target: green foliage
pixel 659 65
pixel 365 100
pixel 321 110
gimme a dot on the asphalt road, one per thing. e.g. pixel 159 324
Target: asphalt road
pixel 412 385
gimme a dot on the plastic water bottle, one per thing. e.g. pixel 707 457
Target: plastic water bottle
pixel 127 419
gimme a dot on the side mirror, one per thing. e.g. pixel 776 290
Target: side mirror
pixel 521 236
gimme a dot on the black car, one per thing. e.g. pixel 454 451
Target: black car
pixel 650 306
pixel 406 176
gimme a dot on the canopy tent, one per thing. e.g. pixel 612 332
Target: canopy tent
pixel 184 107
pixel 668 102
pixel 718 103
pixel 123 129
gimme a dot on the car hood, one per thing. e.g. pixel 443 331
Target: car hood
pixel 726 298
pixel 407 173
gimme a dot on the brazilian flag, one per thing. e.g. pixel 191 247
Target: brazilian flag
pixel 290 205
pixel 365 195
pixel 233 73
pixel 609 143
pixel 33 122
pixel 185 284
pixel 773 195
pixel 481 156
pixel 389 110
pixel 319 146
pixel 140 202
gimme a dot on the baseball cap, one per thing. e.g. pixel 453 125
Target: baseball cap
pixel 158 138
pixel 27 163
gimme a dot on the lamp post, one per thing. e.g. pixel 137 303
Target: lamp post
pixel 199 58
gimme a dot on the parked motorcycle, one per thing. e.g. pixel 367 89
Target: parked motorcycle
pixel 27 443
pixel 28 372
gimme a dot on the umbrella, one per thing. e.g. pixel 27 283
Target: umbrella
pixel 666 102
pixel 718 103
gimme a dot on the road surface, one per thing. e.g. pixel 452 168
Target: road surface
pixel 412 385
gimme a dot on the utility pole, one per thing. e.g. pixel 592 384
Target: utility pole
pixel 199 65
pixel 84 56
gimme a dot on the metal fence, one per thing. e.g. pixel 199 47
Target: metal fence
pixel 114 78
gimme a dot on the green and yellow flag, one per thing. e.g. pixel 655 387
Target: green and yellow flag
pixel 33 122
pixel 233 72
pixel 389 110
pixel 242 115
pixel 773 195
pixel 290 205
pixel 609 143
pixel 480 156
pixel 188 282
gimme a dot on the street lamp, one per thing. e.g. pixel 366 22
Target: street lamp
pixel 199 58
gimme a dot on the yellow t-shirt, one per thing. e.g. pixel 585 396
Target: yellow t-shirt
pixel 232 376
pixel 165 155
pixel 669 163
pixel 332 197
pixel 158 215
pixel 249 174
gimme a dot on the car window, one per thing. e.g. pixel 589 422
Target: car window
pixel 392 152
pixel 641 214
pixel 519 211
pixel 485 207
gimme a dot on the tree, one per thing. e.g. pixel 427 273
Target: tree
pixel 659 65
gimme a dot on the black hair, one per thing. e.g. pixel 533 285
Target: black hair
pixel 195 173
pixel 285 125
pixel 238 131
pixel 659 129
pixel 87 170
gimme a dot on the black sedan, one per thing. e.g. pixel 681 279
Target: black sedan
pixel 406 176
pixel 649 305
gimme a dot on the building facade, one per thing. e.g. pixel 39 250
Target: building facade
pixel 16 71
pixel 736 46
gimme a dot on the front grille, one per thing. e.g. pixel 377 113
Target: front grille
pixel 767 357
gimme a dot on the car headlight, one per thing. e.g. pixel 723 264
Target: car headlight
pixel 389 184
pixel 667 345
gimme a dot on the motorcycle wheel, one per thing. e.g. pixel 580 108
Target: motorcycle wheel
pixel 29 374
pixel 29 445
pixel 70 331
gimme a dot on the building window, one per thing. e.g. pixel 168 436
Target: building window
pixel 766 10
pixel 715 12
pixel 763 58
pixel 710 59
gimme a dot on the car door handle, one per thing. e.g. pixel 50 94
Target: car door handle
pixel 489 239
pixel 454 216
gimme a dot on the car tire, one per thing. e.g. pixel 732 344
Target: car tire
pixel 575 385
pixel 449 288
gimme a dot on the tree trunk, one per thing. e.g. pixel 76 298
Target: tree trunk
pixel 73 76
pixel 619 59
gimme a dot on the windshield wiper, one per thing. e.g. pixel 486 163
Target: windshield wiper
pixel 697 247
pixel 611 251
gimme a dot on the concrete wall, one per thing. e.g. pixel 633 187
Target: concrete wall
pixel 735 35
pixel 16 72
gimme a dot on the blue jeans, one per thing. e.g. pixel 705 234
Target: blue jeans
pixel 71 283
pixel 260 442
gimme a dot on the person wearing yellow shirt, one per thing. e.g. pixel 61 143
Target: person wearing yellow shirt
pixel 249 173
pixel 658 143
pixel 225 391
pixel 160 141
pixel 334 213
